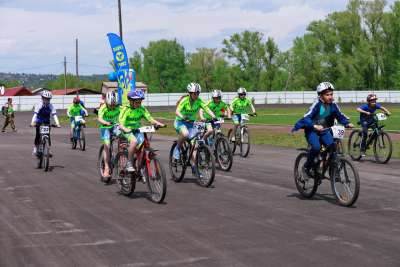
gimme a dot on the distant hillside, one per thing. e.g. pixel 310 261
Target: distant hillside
pixel 40 80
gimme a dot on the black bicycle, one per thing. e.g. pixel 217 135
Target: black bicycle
pixel 112 150
pixel 344 178
pixel 382 144
pixel 43 152
pixel 219 144
pixel 194 148
pixel 78 136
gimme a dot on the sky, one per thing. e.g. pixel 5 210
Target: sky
pixel 35 35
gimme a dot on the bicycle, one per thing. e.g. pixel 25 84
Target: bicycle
pixel 193 147
pixel 344 178
pixel 381 141
pixel 242 136
pixel 78 134
pixel 43 152
pixel 148 168
pixel 113 151
pixel 220 146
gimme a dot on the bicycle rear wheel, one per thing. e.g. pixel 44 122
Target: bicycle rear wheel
pixel 383 148
pixel 345 182
pixel 354 145
pixel 46 155
pixel 306 186
pixel 205 164
pixel 232 144
pixel 223 153
pixel 177 167
pixel 156 180
pixel 82 140
pixel 245 143
pixel 126 181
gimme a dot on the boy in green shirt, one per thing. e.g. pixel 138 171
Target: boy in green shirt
pixel 9 114
pixel 130 120
pixel 240 105
pixel 76 109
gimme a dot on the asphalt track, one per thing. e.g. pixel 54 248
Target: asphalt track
pixel 253 216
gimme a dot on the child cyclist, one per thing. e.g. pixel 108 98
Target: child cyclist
pixel 186 111
pixel 218 107
pixel 367 117
pixel 130 121
pixel 108 117
pixel 42 115
pixel 76 109
pixel 240 105
pixel 315 122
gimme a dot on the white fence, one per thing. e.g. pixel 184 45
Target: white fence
pixel 291 97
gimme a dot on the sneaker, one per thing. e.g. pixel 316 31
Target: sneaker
pixel 177 153
pixel 196 172
pixel 129 167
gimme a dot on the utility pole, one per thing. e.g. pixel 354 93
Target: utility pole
pixel 65 75
pixel 120 19
pixel 76 58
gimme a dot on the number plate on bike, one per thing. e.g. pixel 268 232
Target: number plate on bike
pixel 338 132
pixel 220 121
pixel 44 129
pixel 78 118
pixel 381 116
pixel 245 117
pixel 147 129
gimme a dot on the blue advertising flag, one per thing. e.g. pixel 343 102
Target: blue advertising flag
pixel 119 52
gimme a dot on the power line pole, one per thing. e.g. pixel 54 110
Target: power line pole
pixel 76 58
pixel 65 74
pixel 120 18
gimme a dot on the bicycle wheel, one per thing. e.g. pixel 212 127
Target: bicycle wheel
pixel 177 168
pixel 245 143
pixel 339 147
pixel 306 186
pixel 82 140
pixel 46 155
pixel 205 164
pixel 126 181
pixel 345 182
pixel 156 180
pixel 383 148
pixel 232 144
pixel 40 156
pixel 354 145
pixel 74 142
pixel 101 166
pixel 223 153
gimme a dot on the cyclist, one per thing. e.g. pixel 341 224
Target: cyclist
pixel 76 109
pixel 367 118
pixel 108 117
pixel 240 105
pixel 216 105
pixel 320 116
pixel 130 121
pixel 186 111
pixel 8 112
pixel 41 115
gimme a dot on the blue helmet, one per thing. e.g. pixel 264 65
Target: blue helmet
pixel 112 76
pixel 137 94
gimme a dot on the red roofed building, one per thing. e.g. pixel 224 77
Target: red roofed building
pixel 17 91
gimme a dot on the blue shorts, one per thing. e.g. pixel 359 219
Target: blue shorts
pixel 184 125
pixel 236 118
pixel 105 134
pixel 137 136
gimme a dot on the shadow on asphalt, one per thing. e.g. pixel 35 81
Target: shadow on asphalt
pixel 318 197
pixel 51 168
pixel 192 181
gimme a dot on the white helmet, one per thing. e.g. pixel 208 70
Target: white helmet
pixel 216 93
pixel 241 90
pixel 111 98
pixel 193 88
pixel 46 94
pixel 324 86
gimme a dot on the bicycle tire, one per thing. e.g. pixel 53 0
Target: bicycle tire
pixel 126 181
pixel 82 140
pixel 46 155
pixel 389 144
pixel 299 180
pixel 232 143
pixel 245 152
pixel 223 165
pixel 40 156
pixel 174 163
pixel 157 183
pixel 101 165
pixel 353 147
pixel 209 159
pixel 341 198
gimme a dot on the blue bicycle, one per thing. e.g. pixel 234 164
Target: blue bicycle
pixel 78 136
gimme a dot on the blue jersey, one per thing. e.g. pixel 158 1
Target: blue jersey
pixel 366 107
pixel 44 112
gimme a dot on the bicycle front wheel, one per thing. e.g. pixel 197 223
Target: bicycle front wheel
pixel 232 144
pixel 101 165
pixel 383 148
pixel 245 143
pixel 156 180
pixel 223 153
pixel 354 145
pixel 205 164
pixel 345 182
pixel 126 181
pixel 306 186
pixel 82 140
pixel 46 155
pixel 177 167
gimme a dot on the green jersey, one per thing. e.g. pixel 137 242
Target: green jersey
pixel 9 109
pixel 240 106
pixel 109 115
pixel 189 110
pixel 75 110
pixel 218 109
pixel 131 117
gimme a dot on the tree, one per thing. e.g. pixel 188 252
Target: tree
pixel 136 63
pixel 270 62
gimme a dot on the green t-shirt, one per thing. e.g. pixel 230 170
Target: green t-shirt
pixel 131 117
pixel 190 110
pixel 75 110
pixel 10 109
pixel 240 106
pixel 218 109
pixel 109 115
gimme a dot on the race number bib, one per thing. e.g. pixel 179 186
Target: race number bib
pixel 44 129
pixel 245 117
pixel 338 132
pixel 78 118
pixel 147 129
pixel 381 116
